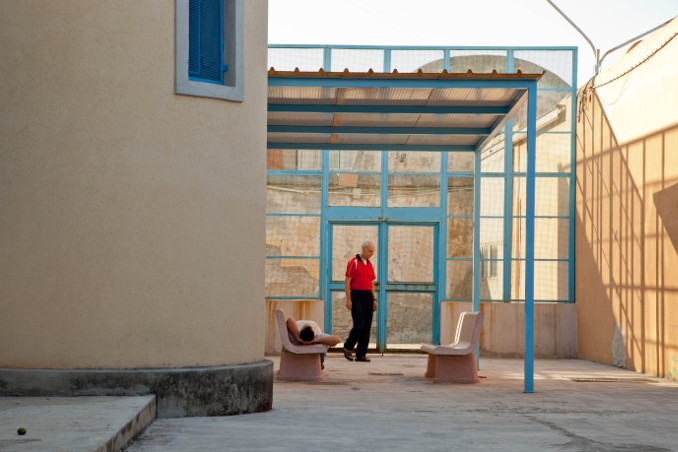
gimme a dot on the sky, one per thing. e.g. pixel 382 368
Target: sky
pixel 607 23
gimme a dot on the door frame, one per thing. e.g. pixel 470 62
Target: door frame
pixel 382 276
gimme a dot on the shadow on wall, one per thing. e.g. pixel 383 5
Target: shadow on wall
pixel 625 295
pixel 666 203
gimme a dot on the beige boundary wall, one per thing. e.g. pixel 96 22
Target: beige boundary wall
pixel 503 333
pixel 132 225
pixel 627 210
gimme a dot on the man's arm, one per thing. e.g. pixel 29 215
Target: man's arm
pixel 330 340
pixel 292 327
pixel 347 289
pixel 374 298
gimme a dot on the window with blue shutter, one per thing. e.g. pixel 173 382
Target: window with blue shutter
pixel 205 40
pixel 209 48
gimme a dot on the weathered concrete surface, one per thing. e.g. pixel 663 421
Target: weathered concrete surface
pixel 203 391
pixel 389 405
pixel 73 424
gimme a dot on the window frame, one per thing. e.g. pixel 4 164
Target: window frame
pixel 232 39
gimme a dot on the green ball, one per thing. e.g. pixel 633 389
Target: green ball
pixel 21 431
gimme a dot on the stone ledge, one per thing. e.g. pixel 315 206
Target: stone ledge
pixel 180 392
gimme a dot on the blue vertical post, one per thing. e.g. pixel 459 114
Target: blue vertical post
pixel 446 60
pixel 508 193
pixel 529 236
pixel 382 311
pixel 573 182
pixel 441 262
pixel 325 242
pixel 476 239
pixel 327 58
pixel 325 237
pixel 476 232
pixel 387 60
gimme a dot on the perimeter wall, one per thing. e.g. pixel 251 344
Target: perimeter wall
pixel 627 210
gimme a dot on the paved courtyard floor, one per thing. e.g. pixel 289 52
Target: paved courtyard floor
pixel 389 405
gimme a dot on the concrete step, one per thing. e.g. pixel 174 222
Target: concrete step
pixel 77 424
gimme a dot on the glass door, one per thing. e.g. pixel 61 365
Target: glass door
pixel 405 257
pixel 346 241
pixel 410 289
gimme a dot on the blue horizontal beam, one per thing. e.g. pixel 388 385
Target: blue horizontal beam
pixel 382 130
pixel 379 47
pixel 410 287
pixel 386 109
pixel 372 147
pixel 327 81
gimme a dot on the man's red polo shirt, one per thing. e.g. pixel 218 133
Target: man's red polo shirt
pixel 361 273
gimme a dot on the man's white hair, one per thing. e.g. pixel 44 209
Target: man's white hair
pixel 367 243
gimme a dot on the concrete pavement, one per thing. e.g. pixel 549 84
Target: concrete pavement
pixel 73 424
pixel 389 405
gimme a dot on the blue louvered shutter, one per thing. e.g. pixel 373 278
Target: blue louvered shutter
pixel 205 47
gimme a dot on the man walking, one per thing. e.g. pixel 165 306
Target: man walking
pixel 361 300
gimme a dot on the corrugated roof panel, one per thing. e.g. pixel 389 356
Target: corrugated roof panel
pixel 472 96
pixel 383 96
pixel 276 118
pixel 377 120
pixel 443 139
pixel 299 137
pixel 455 120
pixel 301 94
pixel 368 138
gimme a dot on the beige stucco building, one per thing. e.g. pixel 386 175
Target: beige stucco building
pixel 132 217
pixel 627 210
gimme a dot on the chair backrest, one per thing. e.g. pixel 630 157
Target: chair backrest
pixel 282 327
pixel 285 338
pixel 468 330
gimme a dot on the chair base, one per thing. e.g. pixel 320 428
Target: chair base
pixel 452 368
pixel 299 367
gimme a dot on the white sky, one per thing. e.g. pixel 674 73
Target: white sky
pixel 607 23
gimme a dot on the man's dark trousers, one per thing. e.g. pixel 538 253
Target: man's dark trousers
pixel 362 309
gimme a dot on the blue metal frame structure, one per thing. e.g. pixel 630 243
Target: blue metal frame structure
pixel 384 216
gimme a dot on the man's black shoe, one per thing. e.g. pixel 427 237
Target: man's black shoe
pixel 348 354
pixel 363 359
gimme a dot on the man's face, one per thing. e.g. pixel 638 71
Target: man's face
pixel 368 251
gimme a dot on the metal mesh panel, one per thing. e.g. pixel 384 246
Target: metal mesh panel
pixel 410 254
pixel 413 190
pixel 459 280
pixel 492 196
pixel 552 196
pixel 557 62
pixel 413 162
pixel 478 61
pixel 410 318
pixel 413 60
pixel 553 153
pixel 460 161
pixel 357 60
pixel 355 161
pixel 347 242
pixel 551 238
pixel 354 190
pixel 292 236
pixel 292 277
pixel 460 196
pixel 287 59
pixel 293 194
pixel 460 237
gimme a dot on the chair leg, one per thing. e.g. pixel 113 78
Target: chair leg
pixel 456 369
pixel 295 367
pixel 431 366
